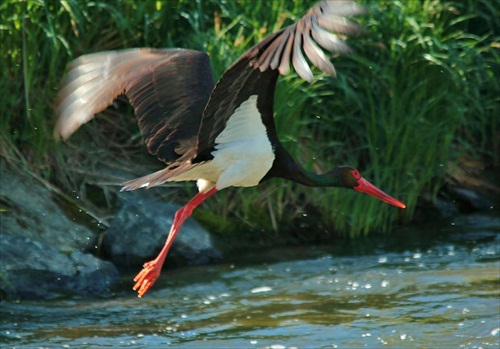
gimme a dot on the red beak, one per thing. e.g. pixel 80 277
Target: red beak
pixel 368 188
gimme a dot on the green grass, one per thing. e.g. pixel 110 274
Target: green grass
pixel 421 91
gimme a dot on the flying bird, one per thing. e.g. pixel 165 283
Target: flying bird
pixel 218 134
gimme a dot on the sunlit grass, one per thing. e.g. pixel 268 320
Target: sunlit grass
pixel 421 90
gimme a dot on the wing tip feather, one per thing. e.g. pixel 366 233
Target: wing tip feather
pixel 324 25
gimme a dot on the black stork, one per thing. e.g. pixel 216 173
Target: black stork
pixel 220 135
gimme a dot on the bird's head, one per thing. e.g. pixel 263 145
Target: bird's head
pixel 349 177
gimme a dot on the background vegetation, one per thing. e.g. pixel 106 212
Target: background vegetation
pixel 421 91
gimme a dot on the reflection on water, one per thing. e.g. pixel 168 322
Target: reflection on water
pixel 417 289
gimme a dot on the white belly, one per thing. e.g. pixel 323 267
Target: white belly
pixel 243 153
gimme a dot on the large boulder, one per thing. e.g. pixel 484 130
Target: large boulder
pixel 42 252
pixel 30 211
pixel 140 229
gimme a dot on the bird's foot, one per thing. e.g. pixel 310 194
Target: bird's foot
pixel 147 277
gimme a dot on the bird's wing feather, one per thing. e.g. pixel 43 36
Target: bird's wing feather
pixel 167 88
pixel 256 71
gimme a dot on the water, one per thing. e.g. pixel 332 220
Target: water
pixel 417 289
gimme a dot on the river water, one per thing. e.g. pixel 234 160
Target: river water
pixel 436 286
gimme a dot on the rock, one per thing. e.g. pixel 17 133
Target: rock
pixel 29 211
pixel 471 198
pixel 139 230
pixel 473 185
pixel 34 269
pixel 41 250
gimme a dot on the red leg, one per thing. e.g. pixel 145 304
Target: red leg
pixel 148 275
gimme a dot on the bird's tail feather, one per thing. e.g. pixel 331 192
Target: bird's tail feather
pixel 157 178
pixel 148 181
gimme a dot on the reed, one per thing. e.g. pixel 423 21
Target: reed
pixel 421 90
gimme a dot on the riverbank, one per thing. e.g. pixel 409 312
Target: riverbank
pixel 51 248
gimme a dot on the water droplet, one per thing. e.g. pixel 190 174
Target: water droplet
pixel 261 289
pixel 277 346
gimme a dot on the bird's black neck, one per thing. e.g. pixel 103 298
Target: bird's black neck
pixel 285 167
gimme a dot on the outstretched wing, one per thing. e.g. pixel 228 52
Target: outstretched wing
pixel 168 89
pixel 256 72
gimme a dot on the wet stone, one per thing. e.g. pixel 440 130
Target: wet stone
pixel 140 229
pixel 42 251
pixel 33 269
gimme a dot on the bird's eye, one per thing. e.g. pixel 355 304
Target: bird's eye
pixel 355 174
